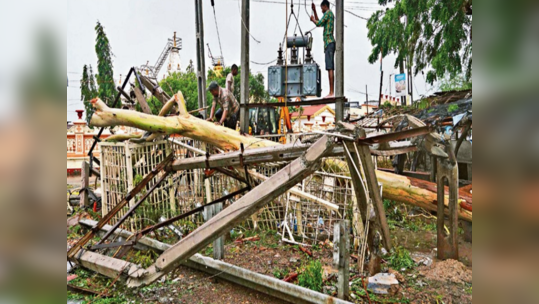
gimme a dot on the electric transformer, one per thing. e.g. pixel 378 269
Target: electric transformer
pixel 295 79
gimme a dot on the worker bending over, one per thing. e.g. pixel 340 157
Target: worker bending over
pixel 328 22
pixel 228 113
pixel 230 79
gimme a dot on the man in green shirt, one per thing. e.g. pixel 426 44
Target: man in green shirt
pixel 328 22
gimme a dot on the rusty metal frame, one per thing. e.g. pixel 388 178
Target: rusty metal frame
pixel 107 218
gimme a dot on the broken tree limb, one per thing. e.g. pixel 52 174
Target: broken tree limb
pixel 397 188
pixel 416 192
pixel 142 101
pixel 186 125
pixel 248 205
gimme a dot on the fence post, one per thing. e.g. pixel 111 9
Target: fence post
pixel 85 183
pixel 448 247
pixel 130 177
pixel 169 148
pixel 103 172
pixel 218 244
pixel 341 257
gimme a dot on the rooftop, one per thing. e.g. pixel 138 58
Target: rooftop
pixel 314 111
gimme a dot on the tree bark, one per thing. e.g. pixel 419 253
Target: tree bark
pixel 185 125
pixel 395 187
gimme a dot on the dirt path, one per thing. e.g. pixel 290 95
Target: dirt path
pixel 191 286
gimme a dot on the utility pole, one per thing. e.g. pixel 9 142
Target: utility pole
pixel 381 82
pixel 411 84
pixel 245 68
pixel 367 98
pixel 339 73
pixel 201 58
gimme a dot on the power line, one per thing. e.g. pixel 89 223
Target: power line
pixel 267 63
pixel 245 26
pixel 283 3
pixel 217 27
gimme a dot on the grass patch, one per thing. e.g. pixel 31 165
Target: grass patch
pixel 453 108
pixel 311 277
pixel 280 273
pixel 400 259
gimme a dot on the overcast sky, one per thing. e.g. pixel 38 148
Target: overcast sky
pixel 138 31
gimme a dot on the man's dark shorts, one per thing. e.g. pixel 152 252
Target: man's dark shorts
pixel 232 120
pixel 330 57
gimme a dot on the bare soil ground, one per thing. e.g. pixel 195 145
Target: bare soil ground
pixel 442 282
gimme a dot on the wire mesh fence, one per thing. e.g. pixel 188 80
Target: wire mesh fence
pixel 298 219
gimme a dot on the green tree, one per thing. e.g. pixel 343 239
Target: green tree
pixel 179 81
pixel 457 83
pixel 187 83
pixel 257 89
pixel 105 72
pixel 88 90
pixel 433 35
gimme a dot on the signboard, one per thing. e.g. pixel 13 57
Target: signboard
pixel 400 85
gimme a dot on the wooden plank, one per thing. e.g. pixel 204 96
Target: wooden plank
pixel 374 190
pixel 341 257
pixel 142 101
pixel 248 205
pixel 297 192
pixel 394 152
pixel 281 153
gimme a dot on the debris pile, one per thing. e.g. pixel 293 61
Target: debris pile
pixel 450 270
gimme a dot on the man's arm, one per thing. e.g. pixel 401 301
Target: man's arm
pixel 223 118
pixel 212 112
pixel 315 14
pixel 324 20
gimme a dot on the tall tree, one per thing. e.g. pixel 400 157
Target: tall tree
pixel 105 73
pixel 88 90
pixel 432 35
pixel 187 83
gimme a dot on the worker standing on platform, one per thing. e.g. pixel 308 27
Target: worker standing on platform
pixel 230 79
pixel 228 113
pixel 328 22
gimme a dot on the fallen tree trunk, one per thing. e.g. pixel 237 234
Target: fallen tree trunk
pixel 418 193
pixel 395 187
pixel 185 125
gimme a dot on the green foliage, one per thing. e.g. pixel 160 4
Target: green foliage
pixel 186 82
pixel 400 259
pixel 311 277
pixel 452 108
pixel 105 72
pixel 257 90
pixel 434 35
pixel 144 259
pixel 88 90
pixel 456 83
pixel 74 232
pixel 209 250
pixel 280 273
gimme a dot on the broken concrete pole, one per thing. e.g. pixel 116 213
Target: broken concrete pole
pixel 248 205
pixel 341 258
